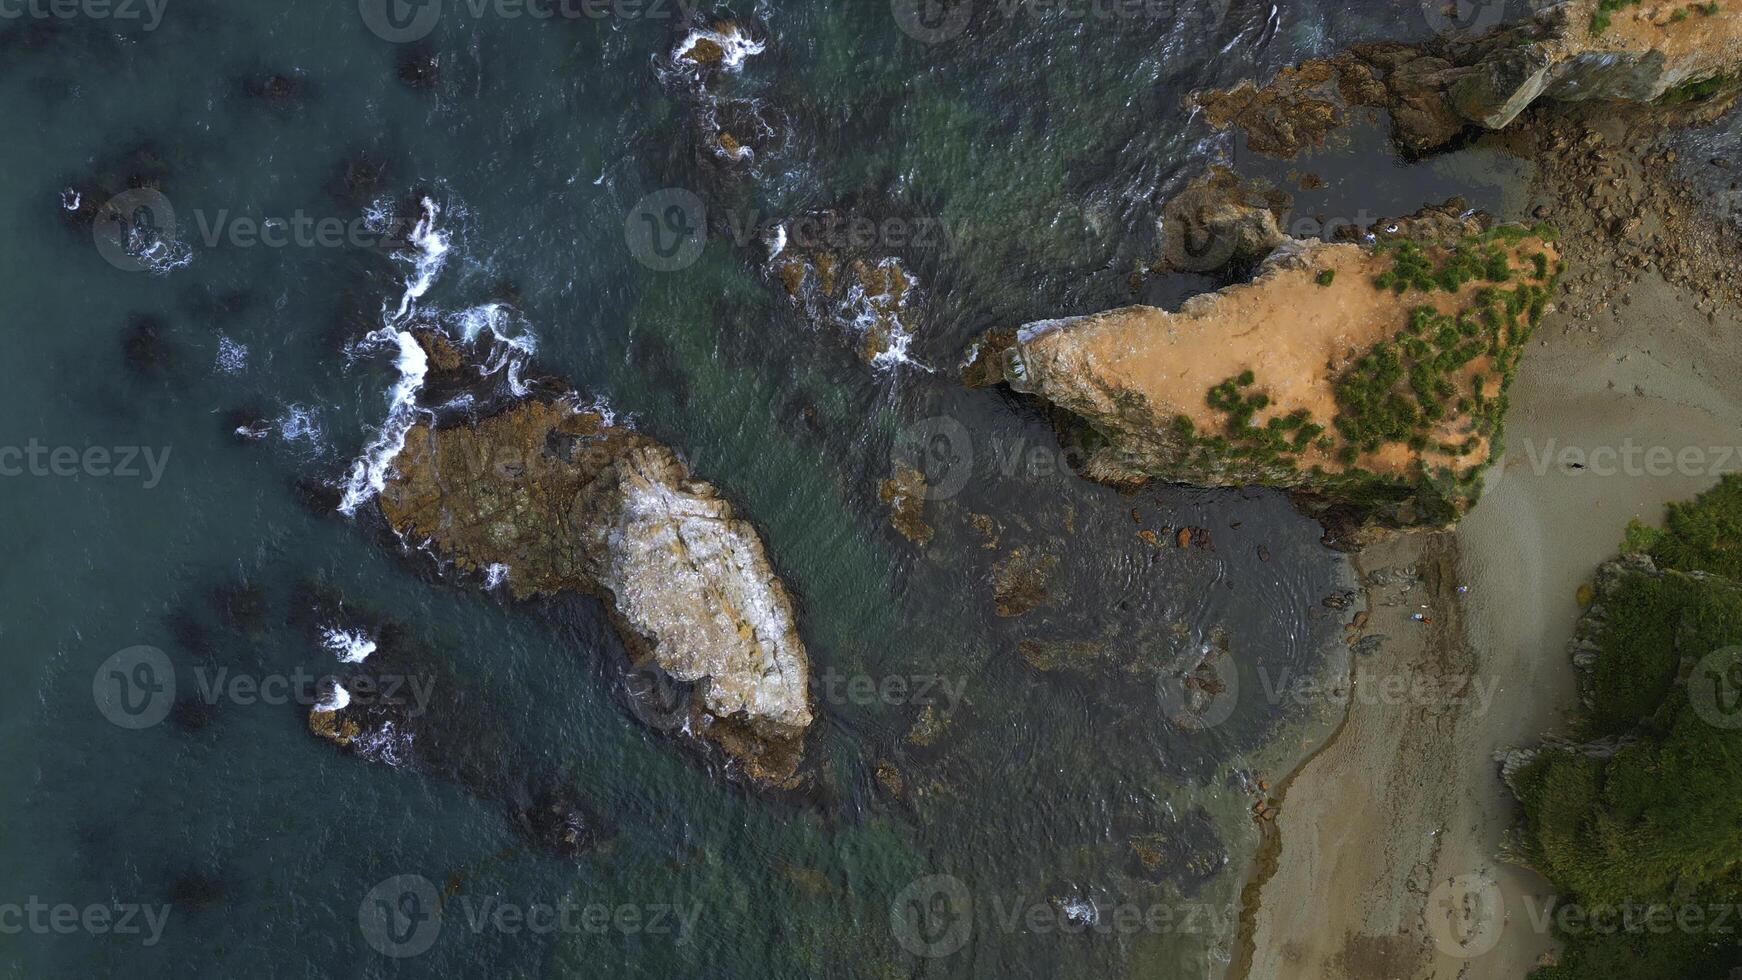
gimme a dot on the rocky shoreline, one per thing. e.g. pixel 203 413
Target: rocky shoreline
pixel 1439 91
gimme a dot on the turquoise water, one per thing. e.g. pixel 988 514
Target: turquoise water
pixel 1043 143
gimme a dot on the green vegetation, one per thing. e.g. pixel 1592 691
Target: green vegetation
pixel 1403 389
pixel 1432 351
pixel 1697 91
pixel 1660 821
pixel 1326 277
pixel 1605 9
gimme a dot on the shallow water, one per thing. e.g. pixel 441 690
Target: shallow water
pixel 1040 144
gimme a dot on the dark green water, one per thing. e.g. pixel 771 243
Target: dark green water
pixel 1043 143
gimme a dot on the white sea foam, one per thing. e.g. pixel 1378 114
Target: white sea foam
pixel 232 357
pixel 495 574
pixel 512 341
pixel 335 699
pixel 734 42
pixel 864 309
pixel 350 646
pixel 1081 911
pixel 299 424
pixel 369 473
pixel 384 744
pixel 432 244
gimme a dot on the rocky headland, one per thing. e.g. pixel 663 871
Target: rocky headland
pixel 1364 374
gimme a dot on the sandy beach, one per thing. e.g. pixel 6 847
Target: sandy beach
pixel 1384 864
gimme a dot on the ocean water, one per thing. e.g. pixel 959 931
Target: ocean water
pixel 1022 160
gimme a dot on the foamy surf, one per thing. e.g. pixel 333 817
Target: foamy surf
pixel 368 475
pixel 385 744
pixel 513 341
pixel 334 699
pixel 299 424
pixel 432 244
pixel 350 646
pixel 232 357
pixel 733 43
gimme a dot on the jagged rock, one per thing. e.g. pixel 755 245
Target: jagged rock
pixel 905 494
pixel 553 499
pixel 1219 218
pixel 1437 89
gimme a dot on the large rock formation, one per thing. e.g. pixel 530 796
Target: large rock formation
pixel 1571 51
pixel 550 498
pixel 1372 375
pixel 1220 218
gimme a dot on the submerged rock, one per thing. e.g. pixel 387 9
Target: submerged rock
pixel 867 298
pixel 904 493
pixel 1371 375
pixel 546 498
